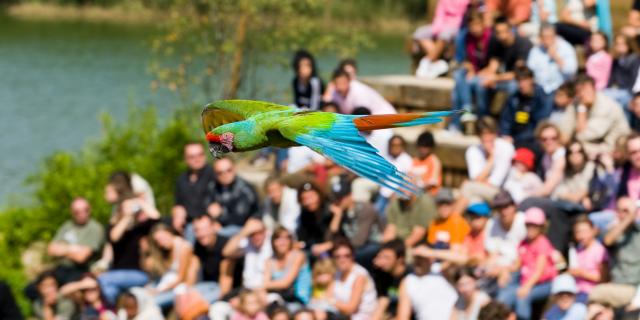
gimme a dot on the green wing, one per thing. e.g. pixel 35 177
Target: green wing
pixel 222 112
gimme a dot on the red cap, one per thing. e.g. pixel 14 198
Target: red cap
pixel 526 157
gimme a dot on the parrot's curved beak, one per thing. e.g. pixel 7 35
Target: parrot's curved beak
pixel 217 149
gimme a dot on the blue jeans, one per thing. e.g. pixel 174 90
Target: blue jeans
pixel 115 282
pixel 508 296
pixel 461 96
pixel 464 91
pixel 209 290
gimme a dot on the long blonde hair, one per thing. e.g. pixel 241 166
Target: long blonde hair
pixel 160 258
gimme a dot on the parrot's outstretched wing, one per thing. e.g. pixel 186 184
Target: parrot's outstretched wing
pixel 222 112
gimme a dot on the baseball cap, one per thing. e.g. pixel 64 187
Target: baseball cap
pixel 526 157
pixel 535 216
pixel 340 187
pixel 445 195
pixel 502 199
pixel 480 209
pixel 564 283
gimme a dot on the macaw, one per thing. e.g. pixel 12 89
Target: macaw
pixel 243 125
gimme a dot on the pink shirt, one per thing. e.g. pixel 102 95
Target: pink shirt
pixel 590 259
pixel 449 15
pixel 599 68
pixel 529 252
pixel 361 95
pixel 633 184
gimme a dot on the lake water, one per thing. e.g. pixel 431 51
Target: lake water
pixel 56 78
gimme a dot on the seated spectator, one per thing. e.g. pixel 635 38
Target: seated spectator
pixel 432 38
pixel 591 264
pixel 597 120
pixel 192 193
pixel 137 304
pixel 424 294
pixel 87 294
pixel 470 298
pixel 578 19
pixel 280 206
pixel 131 223
pixel 389 268
pixel 523 110
pixel 553 163
pixel 472 56
pixel 503 234
pixel 536 267
pixel 514 11
pixel 77 243
pixel 400 159
pixel 563 98
pixel 353 289
pixel 287 273
pixel 252 243
pixel 408 219
pixel 251 307
pixel 307 85
pixel 553 61
pixel 324 272
pixel 599 62
pixel 488 164
pixel 426 169
pixel 350 94
pixel 315 219
pixel 574 187
pixel 377 138
pixel 521 182
pixel 50 304
pixel 623 238
pixel 234 200
pixel 216 278
pixel 507 51
pixel 624 70
pixel 565 306
pixel 449 228
pixel 168 261
pixel 495 310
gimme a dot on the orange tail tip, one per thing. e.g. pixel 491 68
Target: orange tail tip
pixel 384 121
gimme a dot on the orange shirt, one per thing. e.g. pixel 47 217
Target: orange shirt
pixel 455 228
pixel 429 171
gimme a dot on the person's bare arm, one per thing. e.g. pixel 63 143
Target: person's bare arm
pixel 336 218
pixel 390 232
pixel 525 289
pixel 289 278
pixel 381 308
pixel 232 248
pixel 183 267
pixel 79 254
pixel 404 303
pixel 350 307
pixel 552 179
pixel 226 275
pixel 618 230
pixel 57 249
pixel 116 232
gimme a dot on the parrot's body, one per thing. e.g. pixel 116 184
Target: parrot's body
pixel 243 125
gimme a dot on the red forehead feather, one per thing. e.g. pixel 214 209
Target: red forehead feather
pixel 213 137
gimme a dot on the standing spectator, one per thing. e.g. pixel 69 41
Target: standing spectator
pixel 524 109
pixel 350 94
pixel 433 38
pixel 234 199
pixel 425 294
pixel 216 278
pixel 353 289
pixel 578 20
pixel 76 243
pixel 128 227
pixel 522 183
pixel 400 159
pixel 408 219
pixel 624 71
pixel 553 160
pixel 488 163
pixel 470 298
pixel 50 305
pixel 597 120
pixel 191 194
pixel 507 50
pixel 565 306
pixel 624 240
pixel 514 11
pixel 426 168
pixel 553 61
pixel 448 228
pixel 287 273
pixel 536 266
pixel 252 242
pixel 168 261
pixel 591 264
pixel 315 219
pixel 307 85
pixel 598 64
pixel 389 268
pixel 280 206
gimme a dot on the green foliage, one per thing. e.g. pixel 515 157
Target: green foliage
pixel 142 144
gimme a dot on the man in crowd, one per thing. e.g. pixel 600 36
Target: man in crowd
pixel 233 199
pixel 389 268
pixel 350 94
pixel 448 228
pixel 253 243
pixel 191 189
pixel 280 206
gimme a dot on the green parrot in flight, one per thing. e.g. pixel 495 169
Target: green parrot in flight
pixel 243 125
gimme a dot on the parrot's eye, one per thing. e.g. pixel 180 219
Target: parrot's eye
pixel 217 149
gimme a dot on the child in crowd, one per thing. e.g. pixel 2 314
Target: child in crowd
pixel 250 307
pixel 521 181
pixel 426 168
pixel 322 290
pixel 565 306
pixel 536 266
pixel 478 214
pixel 599 63
pixel 589 263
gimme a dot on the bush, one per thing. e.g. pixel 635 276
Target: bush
pixel 142 144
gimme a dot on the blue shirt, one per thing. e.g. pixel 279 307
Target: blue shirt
pixel 577 311
pixel 548 73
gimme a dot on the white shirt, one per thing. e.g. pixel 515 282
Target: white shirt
pixel 503 242
pixel 361 95
pixel 342 292
pixel 432 297
pixel 300 157
pixel 255 260
pixel 476 161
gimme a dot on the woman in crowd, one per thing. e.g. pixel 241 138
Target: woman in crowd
pixel 470 298
pixel 86 292
pixel 168 260
pixel 624 70
pixel 315 218
pixel 599 63
pixel 553 161
pixel 287 272
pixel 573 190
pixel 307 85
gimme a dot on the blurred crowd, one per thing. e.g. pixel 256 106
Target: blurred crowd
pixel 546 225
